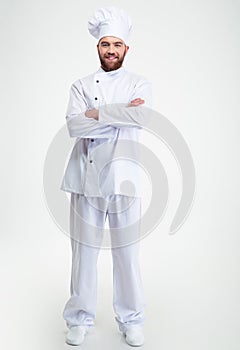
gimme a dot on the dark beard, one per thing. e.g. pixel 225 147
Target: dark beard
pixel 107 68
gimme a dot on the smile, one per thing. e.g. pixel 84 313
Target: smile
pixel 111 58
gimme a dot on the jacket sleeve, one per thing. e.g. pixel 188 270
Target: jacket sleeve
pixel 78 124
pixel 121 115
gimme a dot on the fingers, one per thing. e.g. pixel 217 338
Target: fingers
pixel 136 102
pixel 92 113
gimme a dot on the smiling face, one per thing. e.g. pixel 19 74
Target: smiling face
pixel 111 53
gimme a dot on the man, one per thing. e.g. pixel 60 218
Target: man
pixel 104 114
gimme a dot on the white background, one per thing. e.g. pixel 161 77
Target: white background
pixel 190 52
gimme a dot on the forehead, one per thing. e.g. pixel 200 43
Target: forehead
pixel 111 40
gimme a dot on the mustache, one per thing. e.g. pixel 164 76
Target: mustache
pixel 111 55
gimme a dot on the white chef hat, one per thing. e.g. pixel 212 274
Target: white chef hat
pixel 110 21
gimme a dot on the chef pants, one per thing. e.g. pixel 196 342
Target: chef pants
pixel 87 222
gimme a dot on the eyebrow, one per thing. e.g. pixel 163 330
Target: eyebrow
pixel 115 42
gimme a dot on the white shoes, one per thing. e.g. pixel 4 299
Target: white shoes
pixel 76 335
pixel 134 336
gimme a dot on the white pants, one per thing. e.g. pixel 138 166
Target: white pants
pixel 87 222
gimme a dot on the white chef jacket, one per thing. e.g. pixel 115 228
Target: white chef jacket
pixel 100 161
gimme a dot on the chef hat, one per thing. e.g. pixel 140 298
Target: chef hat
pixel 110 21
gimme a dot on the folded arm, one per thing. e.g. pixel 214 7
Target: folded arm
pixel 85 122
pixel 126 115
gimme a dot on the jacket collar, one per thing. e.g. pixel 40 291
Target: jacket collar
pixel 111 73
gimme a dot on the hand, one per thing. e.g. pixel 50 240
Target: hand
pixel 92 113
pixel 136 102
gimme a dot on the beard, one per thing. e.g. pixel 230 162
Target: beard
pixel 107 65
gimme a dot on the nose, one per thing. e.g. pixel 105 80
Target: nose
pixel 111 50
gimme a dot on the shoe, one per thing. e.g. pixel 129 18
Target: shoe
pixel 134 336
pixel 76 335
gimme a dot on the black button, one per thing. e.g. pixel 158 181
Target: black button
pixel 97 81
pixel 92 140
pixel 91 161
pixel 95 98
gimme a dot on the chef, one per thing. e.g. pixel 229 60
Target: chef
pixel 104 114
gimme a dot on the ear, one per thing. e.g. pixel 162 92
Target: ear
pixel 126 49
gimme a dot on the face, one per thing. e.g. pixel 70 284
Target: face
pixel 111 53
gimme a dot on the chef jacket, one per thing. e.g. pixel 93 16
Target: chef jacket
pixel 102 157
